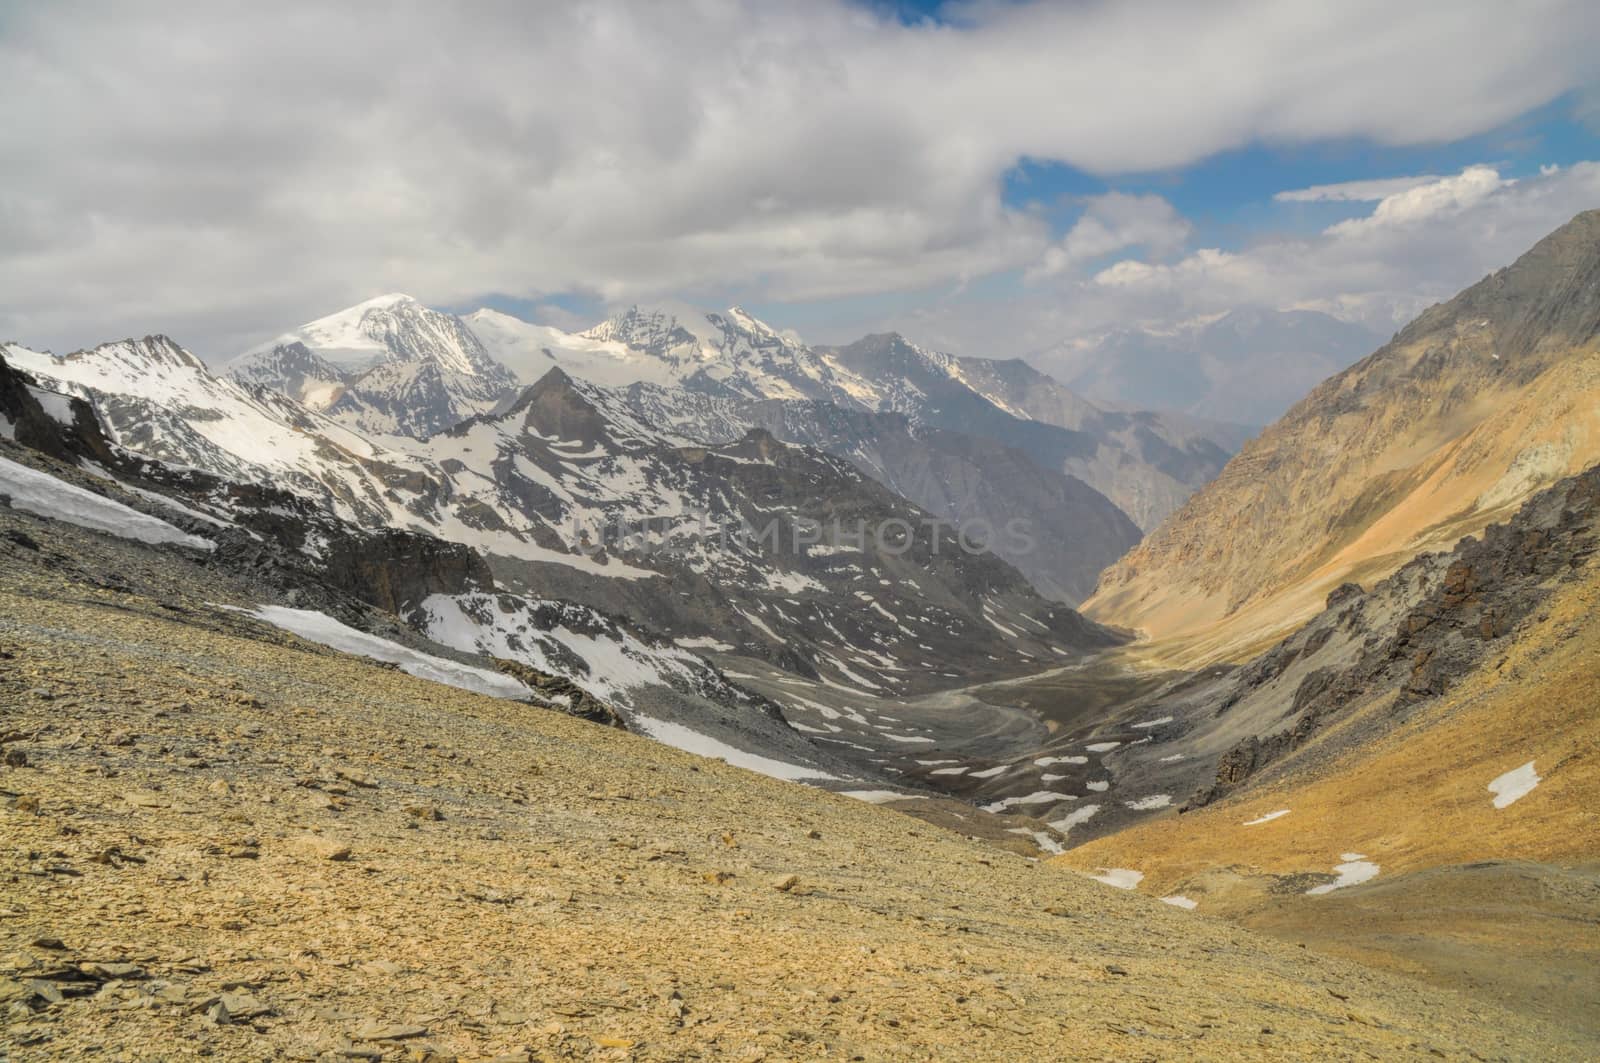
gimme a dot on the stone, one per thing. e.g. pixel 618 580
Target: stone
pixel 786 883
pixel 387 1031
pixel 107 971
pixel 242 1004
pixel 319 847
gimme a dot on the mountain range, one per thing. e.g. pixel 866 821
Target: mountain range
pixel 1341 692
pixel 968 440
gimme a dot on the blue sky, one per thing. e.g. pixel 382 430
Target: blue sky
pixel 1229 195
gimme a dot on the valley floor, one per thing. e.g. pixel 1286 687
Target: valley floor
pixel 220 840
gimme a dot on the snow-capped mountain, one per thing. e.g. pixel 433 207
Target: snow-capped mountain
pixel 1146 463
pixel 388 366
pixel 572 493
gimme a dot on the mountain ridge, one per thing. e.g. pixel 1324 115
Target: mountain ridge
pixel 1466 412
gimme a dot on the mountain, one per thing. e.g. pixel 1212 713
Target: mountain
pixel 1431 737
pixel 1246 366
pixel 781 550
pixel 91 509
pixel 1470 409
pixel 389 366
pixel 1146 463
pixel 1072 531
pixel 755 545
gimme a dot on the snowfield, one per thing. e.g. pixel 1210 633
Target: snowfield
pixel 325 630
pixel 1355 870
pixel 43 495
pixel 678 736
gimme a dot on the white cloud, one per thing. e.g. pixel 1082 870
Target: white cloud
pixel 1113 222
pixel 1354 191
pixel 1418 246
pixel 1415 248
pixel 219 170
pixel 1444 196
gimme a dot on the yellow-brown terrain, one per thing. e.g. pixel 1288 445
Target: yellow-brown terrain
pixel 222 841
pixel 1471 409
pixel 1498 900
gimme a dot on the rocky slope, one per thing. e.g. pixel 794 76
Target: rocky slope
pixel 228 842
pixel 1468 411
pixel 1409 781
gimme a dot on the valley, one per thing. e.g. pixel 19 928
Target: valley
pixel 647 640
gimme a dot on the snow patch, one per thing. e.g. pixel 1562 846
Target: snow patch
pixel 1123 878
pixel 878 797
pixel 1355 870
pixel 1074 818
pixel 690 741
pixel 1268 818
pixel 1514 785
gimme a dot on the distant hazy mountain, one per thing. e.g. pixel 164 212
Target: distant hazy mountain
pixel 1245 367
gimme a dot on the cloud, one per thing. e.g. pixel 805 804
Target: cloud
pixel 1114 222
pixel 1417 246
pixel 220 169
pixel 1354 191
pixel 1441 197
pixel 1414 248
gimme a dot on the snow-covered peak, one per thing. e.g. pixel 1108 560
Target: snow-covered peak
pixel 656 331
pixel 748 322
pixel 389 328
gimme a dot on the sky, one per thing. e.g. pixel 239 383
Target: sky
pixel 992 178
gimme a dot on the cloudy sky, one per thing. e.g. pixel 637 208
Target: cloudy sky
pixel 990 177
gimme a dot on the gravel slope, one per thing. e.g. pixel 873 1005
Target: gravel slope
pixel 218 840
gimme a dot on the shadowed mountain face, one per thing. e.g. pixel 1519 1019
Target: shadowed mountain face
pixel 1072 532
pixel 1466 412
